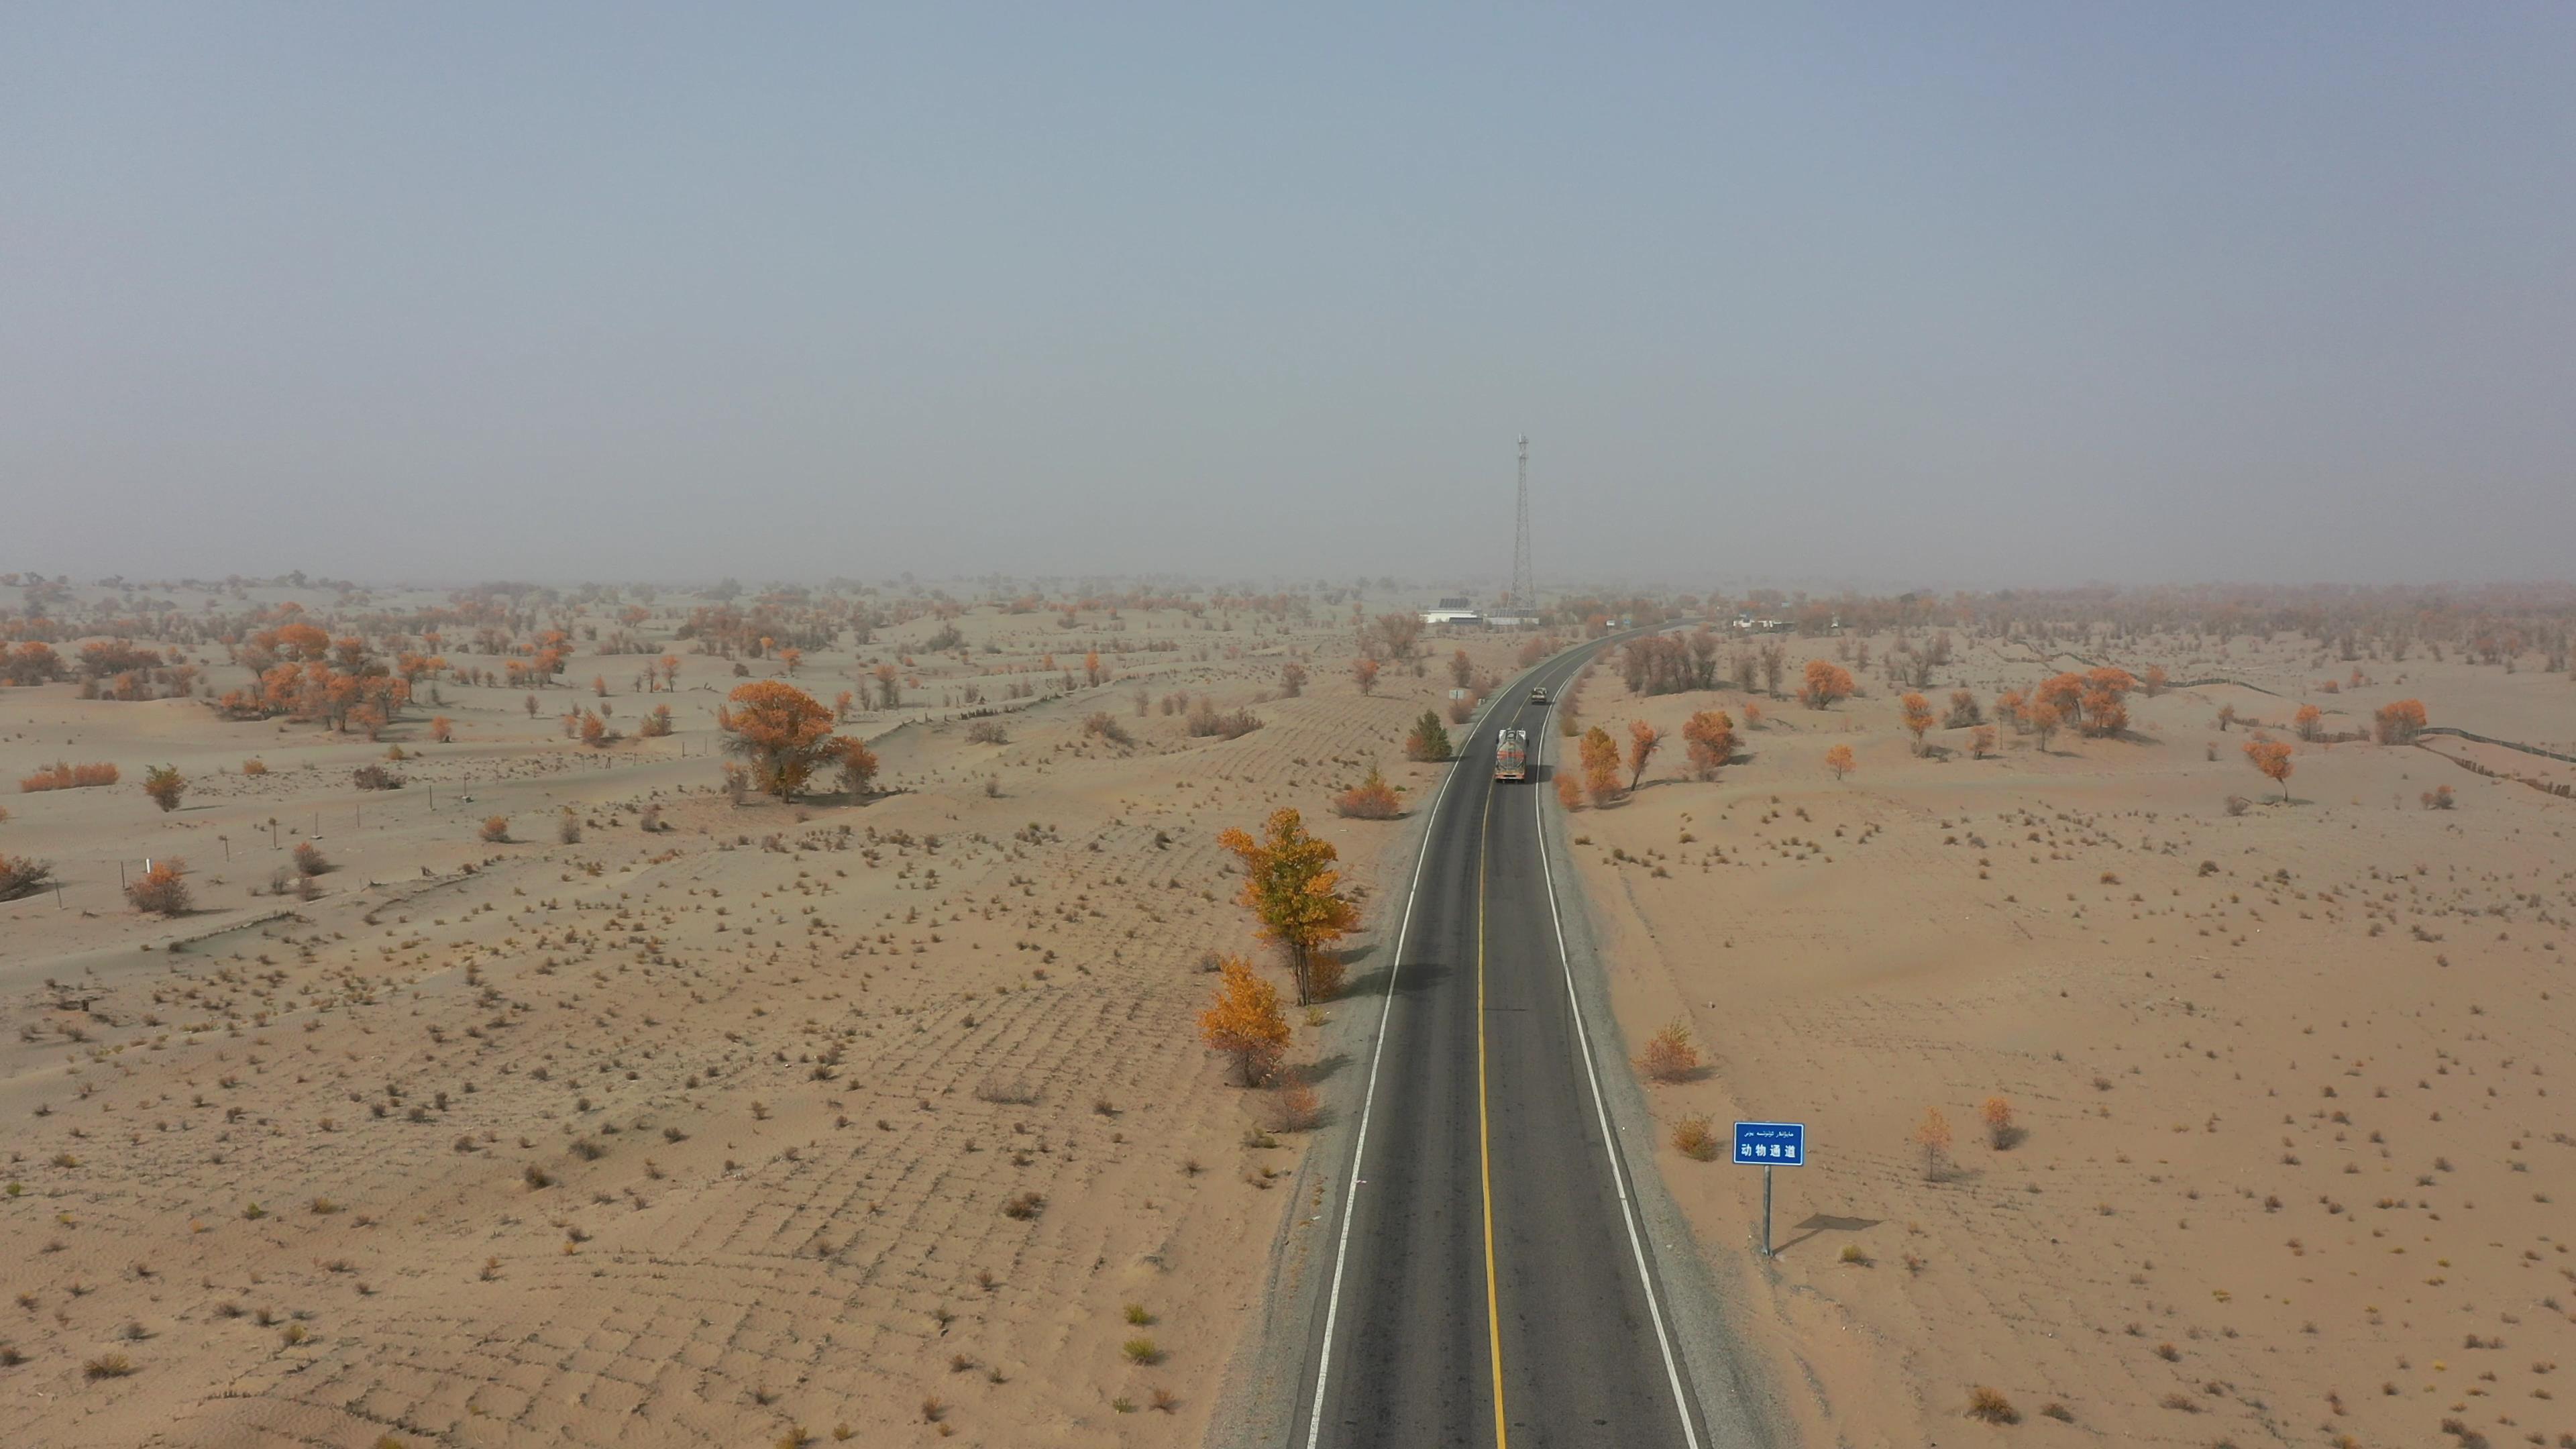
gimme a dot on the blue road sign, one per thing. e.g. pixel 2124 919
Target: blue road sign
pixel 1772 1144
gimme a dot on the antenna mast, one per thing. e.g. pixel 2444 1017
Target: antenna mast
pixel 1524 595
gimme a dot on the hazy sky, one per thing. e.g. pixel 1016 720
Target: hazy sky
pixel 1903 293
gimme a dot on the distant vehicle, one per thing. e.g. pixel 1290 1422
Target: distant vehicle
pixel 1511 755
pixel 1538 694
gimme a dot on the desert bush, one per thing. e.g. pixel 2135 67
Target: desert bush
pixel 1670 1054
pixel 254 766
pixel 1991 1406
pixel 1695 1138
pixel 1292 680
pixel 21 876
pixel 2398 723
pixel 2000 1127
pixel 649 820
pixel 657 723
pixel 1371 799
pixel 375 777
pixel 1569 792
pixel 1142 1349
pixel 161 890
pixel 987 732
pixel 1024 1206
pixel 165 785
pixel 107 1366
pixel 1106 726
pixel 2238 804
pixel 2439 798
pixel 568 827
pixel 309 859
pixel 1207 721
pixel 1293 1107
pixel 495 829
pixel 63 775
pixel 1839 760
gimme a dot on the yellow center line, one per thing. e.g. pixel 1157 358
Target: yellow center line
pixel 1484 1139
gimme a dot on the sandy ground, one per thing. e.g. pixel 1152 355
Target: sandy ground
pixel 705 1135
pixel 2294 1150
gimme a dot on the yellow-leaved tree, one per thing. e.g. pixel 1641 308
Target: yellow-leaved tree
pixel 1245 1023
pixel 1290 882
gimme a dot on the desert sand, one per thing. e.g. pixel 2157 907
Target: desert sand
pixel 669 1118
pixel 2290 1152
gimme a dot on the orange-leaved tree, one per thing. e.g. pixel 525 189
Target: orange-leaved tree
pixel 1916 712
pixel 1600 755
pixel 1364 671
pixel 1291 885
pixel 165 785
pixel 1826 683
pixel 1642 740
pixel 1839 760
pixel 2308 723
pixel 2044 718
pixel 1245 1022
pixel 2272 757
pixel 784 735
pixel 1709 735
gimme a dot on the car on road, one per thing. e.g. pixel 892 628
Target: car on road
pixel 1538 694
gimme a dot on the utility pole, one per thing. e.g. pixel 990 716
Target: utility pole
pixel 1524 596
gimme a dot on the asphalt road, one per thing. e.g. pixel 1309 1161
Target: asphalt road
pixel 1489 1287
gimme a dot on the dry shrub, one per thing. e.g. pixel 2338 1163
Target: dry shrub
pixel 568 827
pixel 63 775
pixel 1694 1137
pixel 309 859
pixel 1324 976
pixel 987 732
pixel 161 889
pixel 2439 798
pixel 1106 726
pixel 1206 720
pixel 650 820
pixel 254 767
pixel 165 785
pixel 1569 792
pixel 2001 1130
pixel 1024 1206
pixel 375 777
pixel 496 829
pixel 107 1366
pixel 1371 799
pixel 1670 1055
pixel 1991 1406
pixel 1293 1107
pixel 21 876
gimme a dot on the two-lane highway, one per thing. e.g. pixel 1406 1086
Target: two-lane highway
pixel 1490 1285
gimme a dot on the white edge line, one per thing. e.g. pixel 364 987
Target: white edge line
pixel 1609 1143
pixel 1368 1105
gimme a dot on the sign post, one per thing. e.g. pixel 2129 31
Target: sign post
pixel 1771 1144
